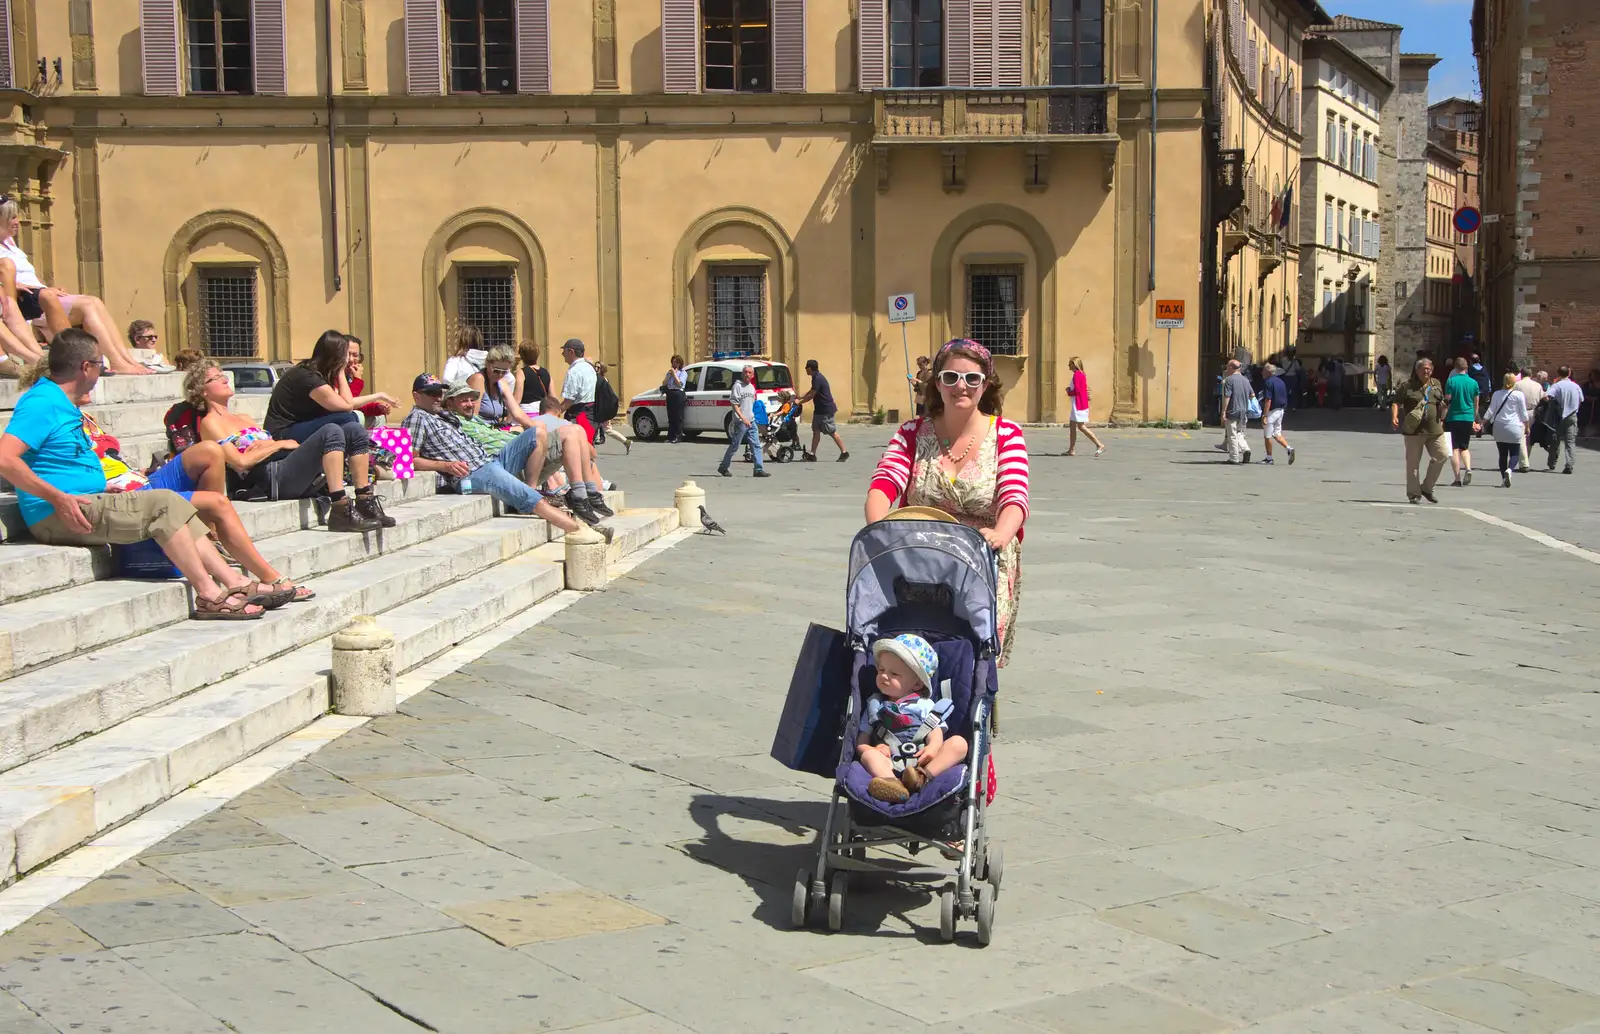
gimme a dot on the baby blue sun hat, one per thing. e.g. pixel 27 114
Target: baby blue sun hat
pixel 916 651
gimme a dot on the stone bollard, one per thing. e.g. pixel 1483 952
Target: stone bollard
pixel 587 556
pixel 363 668
pixel 688 498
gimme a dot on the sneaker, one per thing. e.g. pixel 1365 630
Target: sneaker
pixel 1466 478
pixel 1268 460
pixel 843 456
pixel 809 457
pixel 601 507
pixel 1413 499
pixel 725 472
pixel 1291 455
pixel 583 509
pixel 1522 469
pixel 1456 483
pixel 1505 479
pixel 759 473
pixel 608 532
pixel 343 516
pixel 1247 455
pixel 1429 496
pixel 372 506
pixel 1567 471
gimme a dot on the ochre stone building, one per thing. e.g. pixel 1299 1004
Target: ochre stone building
pixel 653 176
pixel 1539 268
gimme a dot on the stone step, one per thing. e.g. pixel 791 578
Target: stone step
pixel 28 569
pixel 127 419
pixel 50 805
pixel 50 628
pixel 52 706
pixel 167 387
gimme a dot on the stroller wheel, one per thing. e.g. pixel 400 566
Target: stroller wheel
pixel 994 863
pixel 836 892
pixel 947 914
pixel 785 454
pixel 802 896
pixel 985 903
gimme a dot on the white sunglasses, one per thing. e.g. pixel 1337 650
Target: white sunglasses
pixel 950 378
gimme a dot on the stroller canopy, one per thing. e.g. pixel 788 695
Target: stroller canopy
pixel 908 575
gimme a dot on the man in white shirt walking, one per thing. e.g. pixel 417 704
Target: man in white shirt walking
pixel 1532 394
pixel 743 426
pixel 577 389
pixel 1566 396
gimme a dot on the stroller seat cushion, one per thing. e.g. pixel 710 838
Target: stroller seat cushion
pixel 855 780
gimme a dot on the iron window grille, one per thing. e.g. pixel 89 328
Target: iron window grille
pixel 916 42
pixel 228 313
pixel 218 38
pixel 483 48
pixel 736 310
pixel 994 308
pixel 486 298
pixel 738 45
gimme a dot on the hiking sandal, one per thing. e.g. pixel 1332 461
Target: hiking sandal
pixel 268 598
pixel 231 605
pixel 299 593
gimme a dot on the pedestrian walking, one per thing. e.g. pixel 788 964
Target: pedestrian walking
pixel 606 409
pixel 1461 420
pixel 823 411
pixel 1566 397
pixel 1479 373
pixel 1335 375
pixel 1383 377
pixel 1236 396
pixel 919 382
pixel 1418 414
pixel 1078 390
pixel 743 429
pixel 1589 422
pixel 674 384
pixel 577 388
pixel 1294 375
pixel 1274 402
pixel 1507 417
pixel 1532 394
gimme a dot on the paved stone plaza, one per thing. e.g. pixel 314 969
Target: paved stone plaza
pixel 1274 758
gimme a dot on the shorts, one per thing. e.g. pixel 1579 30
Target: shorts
pixel 1460 433
pixel 823 423
pixel 1080 416
pixel 172 477
pixel 1272 422
pixel 123 518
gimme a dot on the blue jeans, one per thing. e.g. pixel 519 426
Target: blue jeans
pixel 501 477
pixel 741 433
pixel 304 429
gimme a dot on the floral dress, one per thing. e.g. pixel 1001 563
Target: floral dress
pixel 971 497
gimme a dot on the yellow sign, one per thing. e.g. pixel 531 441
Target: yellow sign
pixel 1169 313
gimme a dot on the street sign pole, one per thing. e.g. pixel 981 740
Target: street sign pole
pixel 1169 317
pixel 903 310
pixel 1166 412
pixel 905 347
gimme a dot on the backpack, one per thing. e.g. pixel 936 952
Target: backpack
pixel 182 423
pixel 605 401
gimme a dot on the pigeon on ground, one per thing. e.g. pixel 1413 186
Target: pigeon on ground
pixel 710 525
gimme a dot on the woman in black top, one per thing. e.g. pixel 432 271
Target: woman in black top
pixel 533 380
pixel 673 385
pixel 306 399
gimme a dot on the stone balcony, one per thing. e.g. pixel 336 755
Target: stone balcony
pixel 955 118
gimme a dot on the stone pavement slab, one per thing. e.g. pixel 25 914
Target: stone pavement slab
pixel 1317 803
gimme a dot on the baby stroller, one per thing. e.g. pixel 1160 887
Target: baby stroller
pixel 780 435
pixel 937 580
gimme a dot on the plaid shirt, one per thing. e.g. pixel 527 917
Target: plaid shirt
pixel 438 436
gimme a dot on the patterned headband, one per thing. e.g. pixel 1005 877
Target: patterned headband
pixel 971 346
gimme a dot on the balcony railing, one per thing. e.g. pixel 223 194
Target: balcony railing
pixel 970 115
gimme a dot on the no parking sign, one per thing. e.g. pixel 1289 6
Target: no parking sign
pixel 902 308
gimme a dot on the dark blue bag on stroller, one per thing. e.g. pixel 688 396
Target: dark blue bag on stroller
pixel 814 712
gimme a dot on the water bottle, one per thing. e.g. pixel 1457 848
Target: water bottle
pixel 466 486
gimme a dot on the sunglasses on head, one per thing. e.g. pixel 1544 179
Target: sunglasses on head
pixel 972 379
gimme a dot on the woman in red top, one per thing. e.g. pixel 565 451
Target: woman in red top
pixel 967 460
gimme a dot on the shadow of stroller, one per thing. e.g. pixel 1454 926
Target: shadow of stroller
pixel 768 866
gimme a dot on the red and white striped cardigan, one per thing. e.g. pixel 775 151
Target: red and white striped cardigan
pixel 1011 485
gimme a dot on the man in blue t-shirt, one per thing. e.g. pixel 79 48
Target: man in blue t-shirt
pixel 61 487
pixel 822 413
pixel 1274 401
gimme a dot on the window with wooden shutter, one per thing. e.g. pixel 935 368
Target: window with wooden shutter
pixel 1008 21
pixel 158 48
pixel 482 52
pixel 424 48
pixel 1252 65
pixel 917 52
pixel 789 46
pixel 1077 43
pixel 737 45
pixel 984 59
pixel 533 46
pixel 958 43
pixel 680 46
pixel 7 77
pixel 269 47
pixel 872 40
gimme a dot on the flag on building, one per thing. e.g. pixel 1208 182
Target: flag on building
pixel 1282 205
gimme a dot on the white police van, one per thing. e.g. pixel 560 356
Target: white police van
pixel 709 388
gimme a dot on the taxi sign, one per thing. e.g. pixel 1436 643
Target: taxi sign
pixel 1169 314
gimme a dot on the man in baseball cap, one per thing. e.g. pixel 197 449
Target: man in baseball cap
pixel 428 384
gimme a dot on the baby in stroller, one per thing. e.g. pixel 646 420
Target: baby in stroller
pixel 901 739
